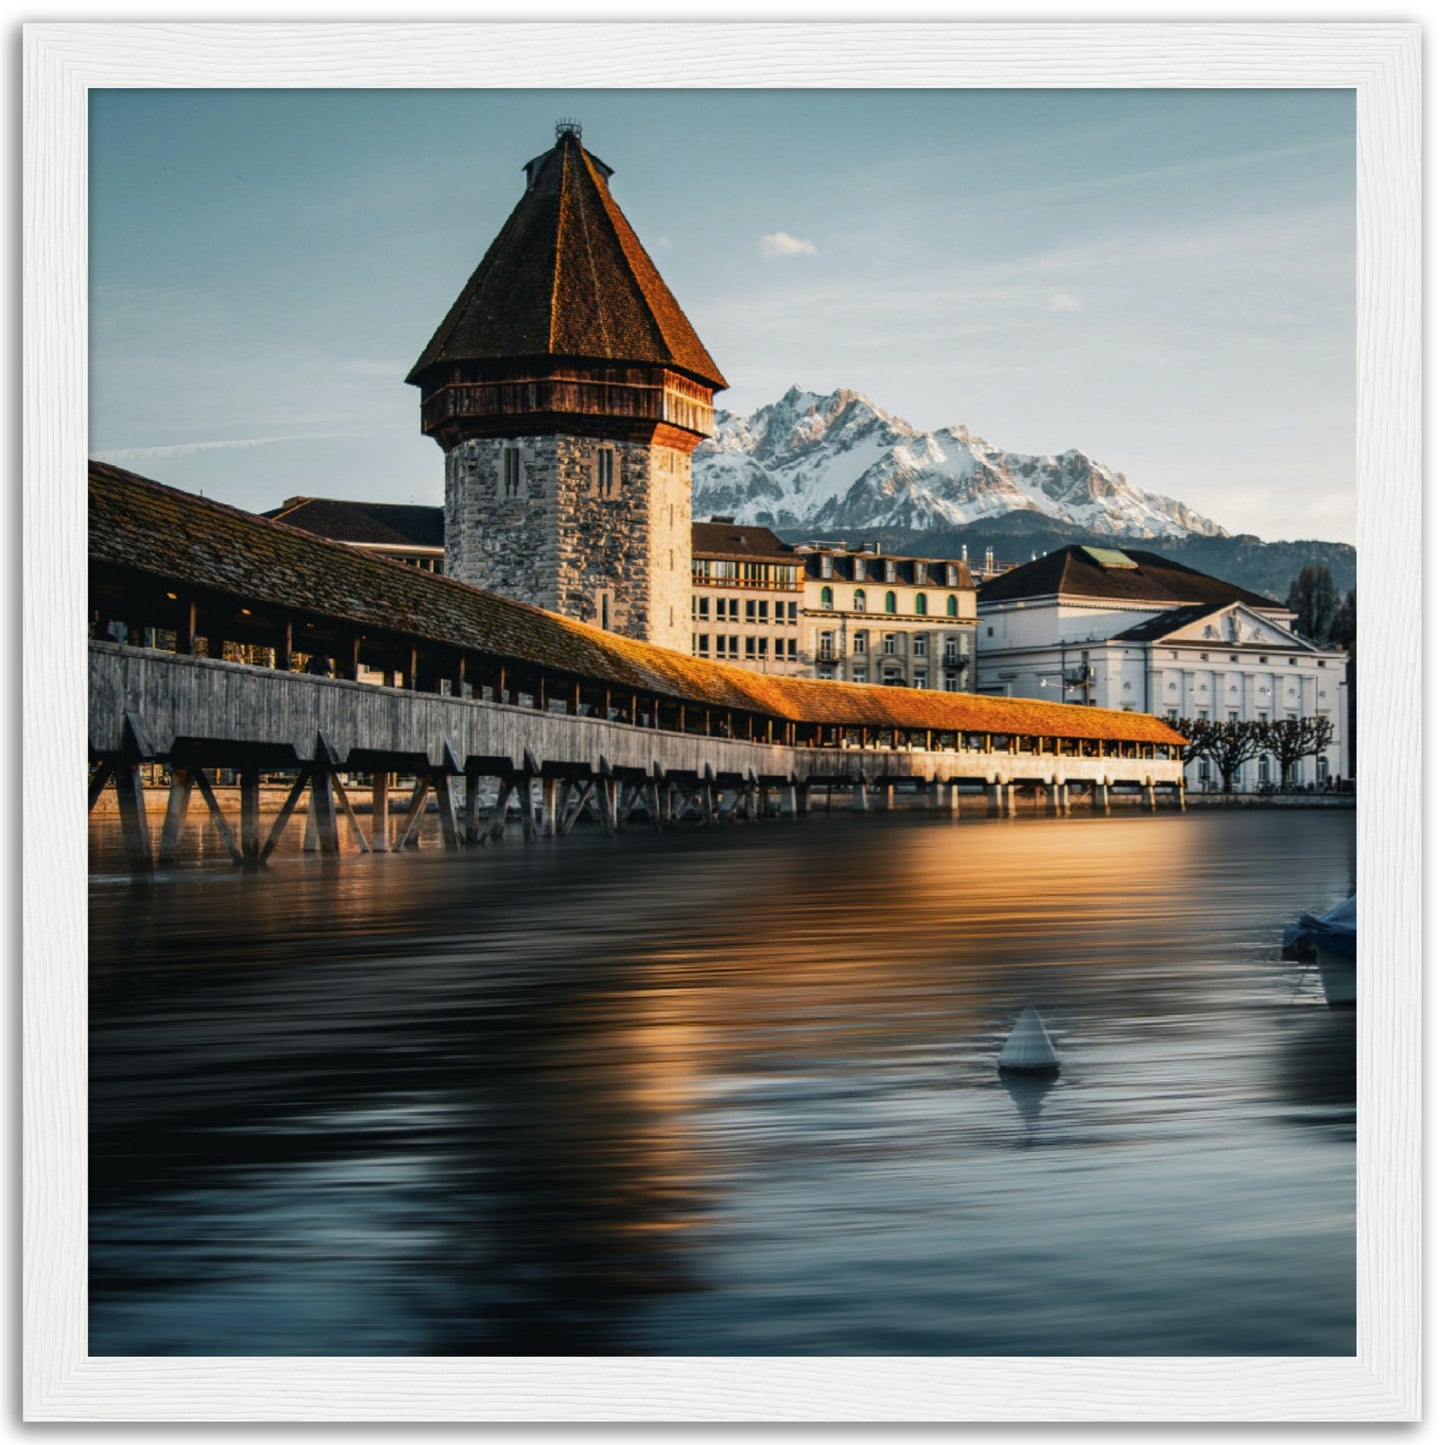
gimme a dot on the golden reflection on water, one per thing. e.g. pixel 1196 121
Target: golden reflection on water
pixel 727 1092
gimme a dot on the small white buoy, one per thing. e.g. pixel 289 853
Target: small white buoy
pixel 1028 1049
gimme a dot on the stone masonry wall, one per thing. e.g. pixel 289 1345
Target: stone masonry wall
pixel 562 542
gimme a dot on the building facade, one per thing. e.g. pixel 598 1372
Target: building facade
pixel 1135 631
pixel 747 592
pixel 897 621
pixel 567 390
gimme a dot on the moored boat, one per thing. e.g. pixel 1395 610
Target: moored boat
pixel 1328 941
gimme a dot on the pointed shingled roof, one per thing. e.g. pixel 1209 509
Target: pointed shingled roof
pixel 567 277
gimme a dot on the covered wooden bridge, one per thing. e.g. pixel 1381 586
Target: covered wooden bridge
pixel 223 640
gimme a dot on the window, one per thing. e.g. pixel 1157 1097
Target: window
pixel 825 647
pixel 950 682
pixel 950 650
pixel 792 649
pixel 1265 660
pixel 920 679
pixel 511 471
pixel 988 631
pixel 751 610
pixel 1294 662
pixel 890 602
pixel 860 674
pixel 826 600
pixel 920 647
pixel 951 606
pixel 860 601
pixel 890 570
pixel 722 645
pixel 920 604
pixel 860 569
pixel 825 569
pixel 700 646
pixel 890 644
pixel 733 646
pixel 732 608
pixel 605 605
pixel 792 612
pixel 779 611
pixel 778 648
pixel 750 648
pixel 920 571
pixel 605 474
pixel 860 644
pixel 952 574
pixel 703 608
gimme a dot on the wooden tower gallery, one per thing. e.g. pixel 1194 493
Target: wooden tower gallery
pixel 568 390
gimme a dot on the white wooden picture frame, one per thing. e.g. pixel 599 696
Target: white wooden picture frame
pixel 1382 64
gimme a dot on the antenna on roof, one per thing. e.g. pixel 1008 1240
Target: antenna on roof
pixel 569 127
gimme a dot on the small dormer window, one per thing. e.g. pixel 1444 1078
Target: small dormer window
pixel 511 471
pixel 825 566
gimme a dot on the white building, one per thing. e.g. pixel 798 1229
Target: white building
pixel 1139 632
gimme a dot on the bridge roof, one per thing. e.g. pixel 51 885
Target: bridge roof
pixel 141 527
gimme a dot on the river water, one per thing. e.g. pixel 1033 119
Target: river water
pixel 728 1093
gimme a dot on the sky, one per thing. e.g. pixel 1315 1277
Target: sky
pixel 1162 279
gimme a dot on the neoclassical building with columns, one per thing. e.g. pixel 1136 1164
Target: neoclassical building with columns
pixel 1128 629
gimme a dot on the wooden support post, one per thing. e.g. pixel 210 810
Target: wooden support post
pixel 323 810
pixel 176 806
pixel 549 807
pixel 407 831
pixel 860 796
pixel 995 800
pixel 529 816
pixel 1101 797
pixel 380 812
pixel 886 788
pixel 608 791
pixel 583 793
pixel 98 779
pixel 1010 807
pixel 472 809
pixel 284 816
pixel 350 815
pixel 441 782
pixel 1179 794
pixel 186 628
pixel 1149 800
pixel 223 828
pixel 498 826
pixel 250 817
pixel 134 827
pixel 284 646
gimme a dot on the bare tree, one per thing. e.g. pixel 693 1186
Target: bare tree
pixel 1314 599
pixel 1228 745
pixel 1293 739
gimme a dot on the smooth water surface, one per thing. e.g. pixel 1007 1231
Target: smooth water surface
pixel 729 1092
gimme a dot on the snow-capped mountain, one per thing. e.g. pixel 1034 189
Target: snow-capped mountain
pixel 840 462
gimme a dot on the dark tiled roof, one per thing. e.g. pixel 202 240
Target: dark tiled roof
pixel 875 569
pixel 140 526
pixel 1072 572
pixel 375 523
pixel 726 539
pixel 567 277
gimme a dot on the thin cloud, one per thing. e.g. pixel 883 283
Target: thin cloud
pixel 780 243
pixel 186 449
pixel 1062 301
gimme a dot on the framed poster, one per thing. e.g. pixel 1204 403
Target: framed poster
pixel 176 1338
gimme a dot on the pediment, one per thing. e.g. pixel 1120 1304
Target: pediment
pixel 1236 625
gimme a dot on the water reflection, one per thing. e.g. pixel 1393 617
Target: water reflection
pixel 727 1093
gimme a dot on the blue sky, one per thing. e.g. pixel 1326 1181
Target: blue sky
pixel 1163 279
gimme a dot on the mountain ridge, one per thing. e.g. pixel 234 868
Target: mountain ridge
pixel 809 461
